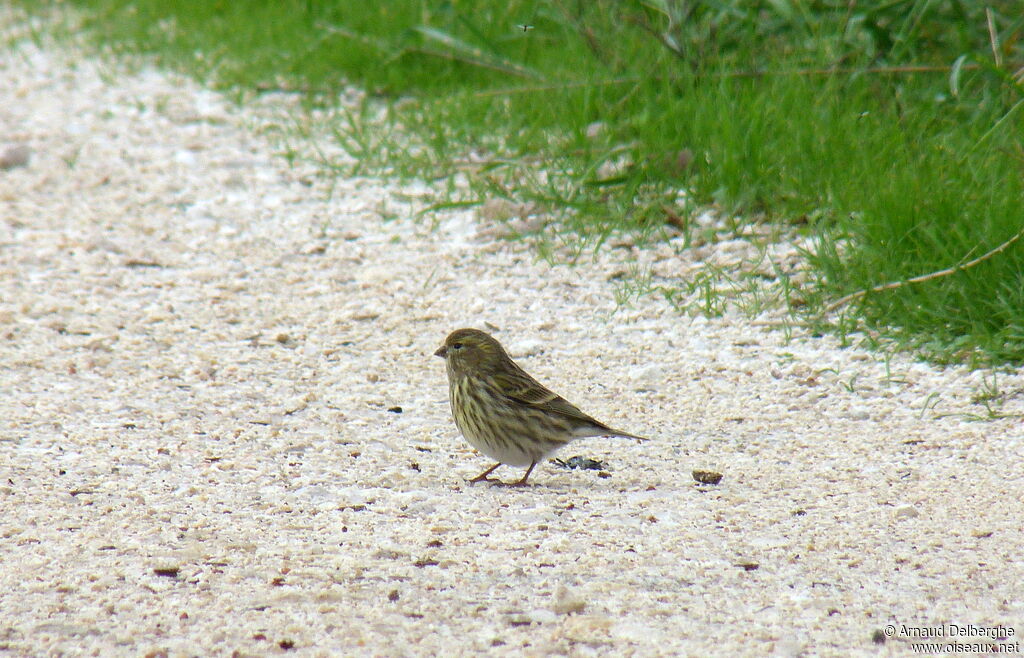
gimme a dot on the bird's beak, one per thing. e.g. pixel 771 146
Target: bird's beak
pixel 441 352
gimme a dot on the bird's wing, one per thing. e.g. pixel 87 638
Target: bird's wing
pixel 523 388
pixel 516 384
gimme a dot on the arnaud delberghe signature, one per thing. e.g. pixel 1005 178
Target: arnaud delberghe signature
pixel 958 630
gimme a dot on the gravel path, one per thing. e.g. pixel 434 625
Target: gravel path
pixel 223 428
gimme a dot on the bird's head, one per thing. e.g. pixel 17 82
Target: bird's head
pixel 470 350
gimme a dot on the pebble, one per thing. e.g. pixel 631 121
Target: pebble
pixel 906 512
pixel 13 157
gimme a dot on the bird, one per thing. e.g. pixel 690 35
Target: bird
pixel 505 413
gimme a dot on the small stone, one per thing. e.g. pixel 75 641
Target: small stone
pixel 706 477
pixel 541 616
pixel 528 347
pixel 906 512
pixel 167 571
pixel 789 646
pixel 648 378
pixel 614 168
pixel 313 248
pixel 185 157
pixel 567 601
pixel 588 629
pixel 859 414
pixel 15 156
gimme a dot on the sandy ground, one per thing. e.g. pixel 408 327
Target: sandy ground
pixel 224 431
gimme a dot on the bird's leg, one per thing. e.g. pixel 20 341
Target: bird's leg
pixel 483 476
pixel 522 483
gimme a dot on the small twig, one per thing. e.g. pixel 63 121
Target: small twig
pixel 924 277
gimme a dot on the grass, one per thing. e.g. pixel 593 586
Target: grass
pixel 892 131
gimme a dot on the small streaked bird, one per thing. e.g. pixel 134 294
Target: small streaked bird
pixel 504 412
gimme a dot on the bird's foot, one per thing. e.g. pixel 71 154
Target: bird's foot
pixel 508 485
pixel 491 481
pixel 483 476
pixel 494 482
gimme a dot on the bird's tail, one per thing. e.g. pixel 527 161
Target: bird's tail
pixel 625 435
pixel 604 430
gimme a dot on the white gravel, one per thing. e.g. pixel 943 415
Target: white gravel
pixel 201 347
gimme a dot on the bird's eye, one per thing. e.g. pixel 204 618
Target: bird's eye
pixel 456 346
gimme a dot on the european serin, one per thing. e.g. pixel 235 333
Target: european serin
pixel 504 412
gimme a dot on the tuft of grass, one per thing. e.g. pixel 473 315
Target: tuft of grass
pixel 892 132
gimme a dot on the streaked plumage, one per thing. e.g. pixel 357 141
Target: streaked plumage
pixel 505 413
